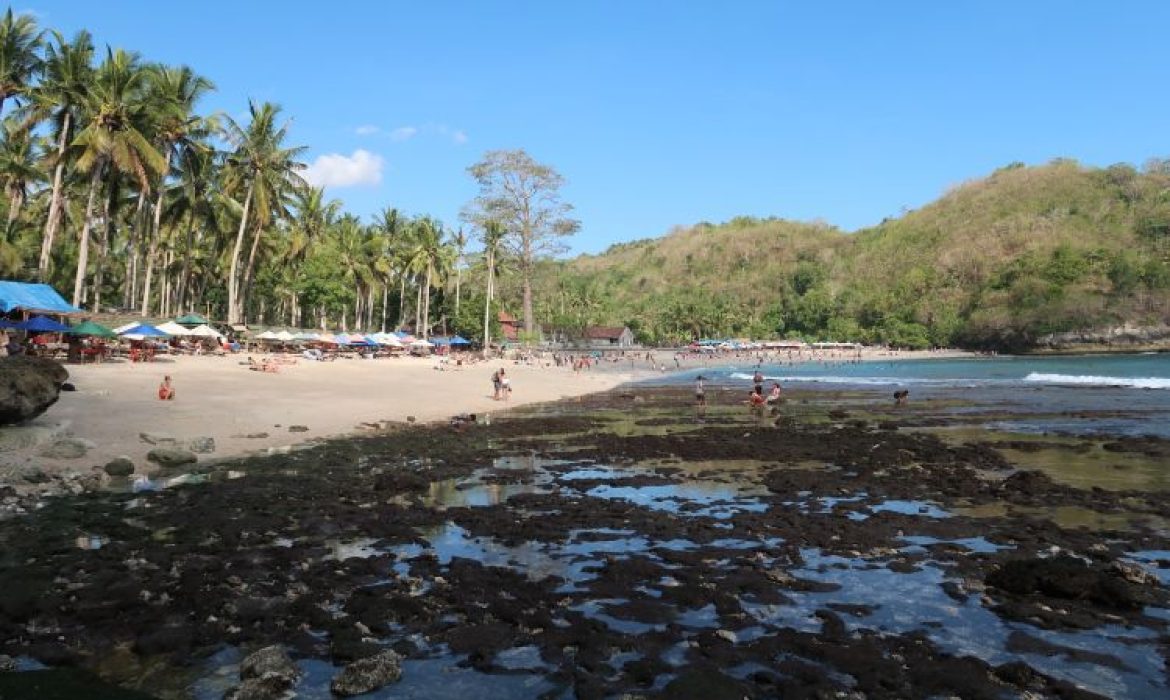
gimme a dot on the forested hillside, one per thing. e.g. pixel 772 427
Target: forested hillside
pixel 995 263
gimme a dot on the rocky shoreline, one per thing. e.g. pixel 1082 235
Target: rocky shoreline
pixel 618 544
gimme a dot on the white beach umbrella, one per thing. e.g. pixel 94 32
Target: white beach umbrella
pixel 172 328
pixel 267 335
pixel 204 331
pixel 284 335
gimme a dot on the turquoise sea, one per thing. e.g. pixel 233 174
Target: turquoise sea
pixel 1114 394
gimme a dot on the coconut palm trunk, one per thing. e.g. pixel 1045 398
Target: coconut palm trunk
pixel 95 180
pixel 152 251
pixel 233 273
pixel 489 292
pixel 56 202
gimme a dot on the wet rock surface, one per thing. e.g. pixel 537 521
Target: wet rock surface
pixel 28 387
pixel 564 551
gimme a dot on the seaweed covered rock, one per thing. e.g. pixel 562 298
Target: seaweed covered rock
pixel 1071 578
pixel 28 387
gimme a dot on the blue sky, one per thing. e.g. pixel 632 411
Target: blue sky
pixel 668 113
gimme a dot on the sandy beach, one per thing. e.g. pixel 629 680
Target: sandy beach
pixel 247 411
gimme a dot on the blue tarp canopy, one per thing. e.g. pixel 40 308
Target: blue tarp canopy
pixel 145 331
pixel 33 297
pixel 460 340
pixel 440 340
pixel 42 324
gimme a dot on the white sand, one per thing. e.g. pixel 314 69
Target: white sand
pixel 220 398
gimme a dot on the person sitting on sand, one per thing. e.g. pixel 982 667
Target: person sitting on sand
pixel 166 391
pixel 901 396
pixel 774 394
pixel 756 400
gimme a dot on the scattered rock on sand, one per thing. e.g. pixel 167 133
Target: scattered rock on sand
pixel 28 386
pixel 157 439
pixel 31 474
pixel 170 457
pixel 267 674
pixel 298 428
pixel 202 445
pixel 119 466
pixel 66 448
pixel 368 674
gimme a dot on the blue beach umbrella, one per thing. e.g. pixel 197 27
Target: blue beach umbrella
pixel 460 340
pixel 144 331
pixel 42 324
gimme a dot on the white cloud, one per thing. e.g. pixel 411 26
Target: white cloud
pixel 336 170
pixel 403 133
pixel 459 137
pixel 366 130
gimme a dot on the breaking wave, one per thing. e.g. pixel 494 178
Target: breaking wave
pixel 1089 380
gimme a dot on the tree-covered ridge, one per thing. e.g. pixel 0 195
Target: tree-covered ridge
pixel 996 262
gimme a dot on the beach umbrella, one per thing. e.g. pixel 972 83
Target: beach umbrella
pixel 173 328
pixel 8 323
pixel 191 320
pixel 284 336
pixel 420 343
pixel 143 331
pixel 305 336
pixel 267 335
pixel 124 327
pixel 42 324
pixel 460 340
pixel 341 338
pixel 389 339
pixel 92 329
pixel 440 340
pixel 204 331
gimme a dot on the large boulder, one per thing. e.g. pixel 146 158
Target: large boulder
pixel 368 674
pixel 28 386
pixel 167 457
pixel 268 674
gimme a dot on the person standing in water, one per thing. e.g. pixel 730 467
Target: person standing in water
pixel 700 391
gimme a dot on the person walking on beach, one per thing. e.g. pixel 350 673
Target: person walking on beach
pixel 758 382
pixel 496 385
pixel 700 391
pixel 505 385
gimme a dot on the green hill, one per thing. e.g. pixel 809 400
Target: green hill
pixel 995 263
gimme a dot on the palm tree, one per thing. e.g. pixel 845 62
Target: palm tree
pixel 396 234
pixel 174 92
pixel 459 241
pixel 18 168
pixel 432 258
pixel 313 217
pixel 20 60
pixel 355 249
pixel 112 139
pixel 59 97
pixel 264 170
pixel 191 200
pixel 493 234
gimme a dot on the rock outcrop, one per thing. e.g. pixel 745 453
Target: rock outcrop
pixel 1119 337
pixel 368 674
pixel 28 386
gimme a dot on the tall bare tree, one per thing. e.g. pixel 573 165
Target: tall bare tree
pixel 525 198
